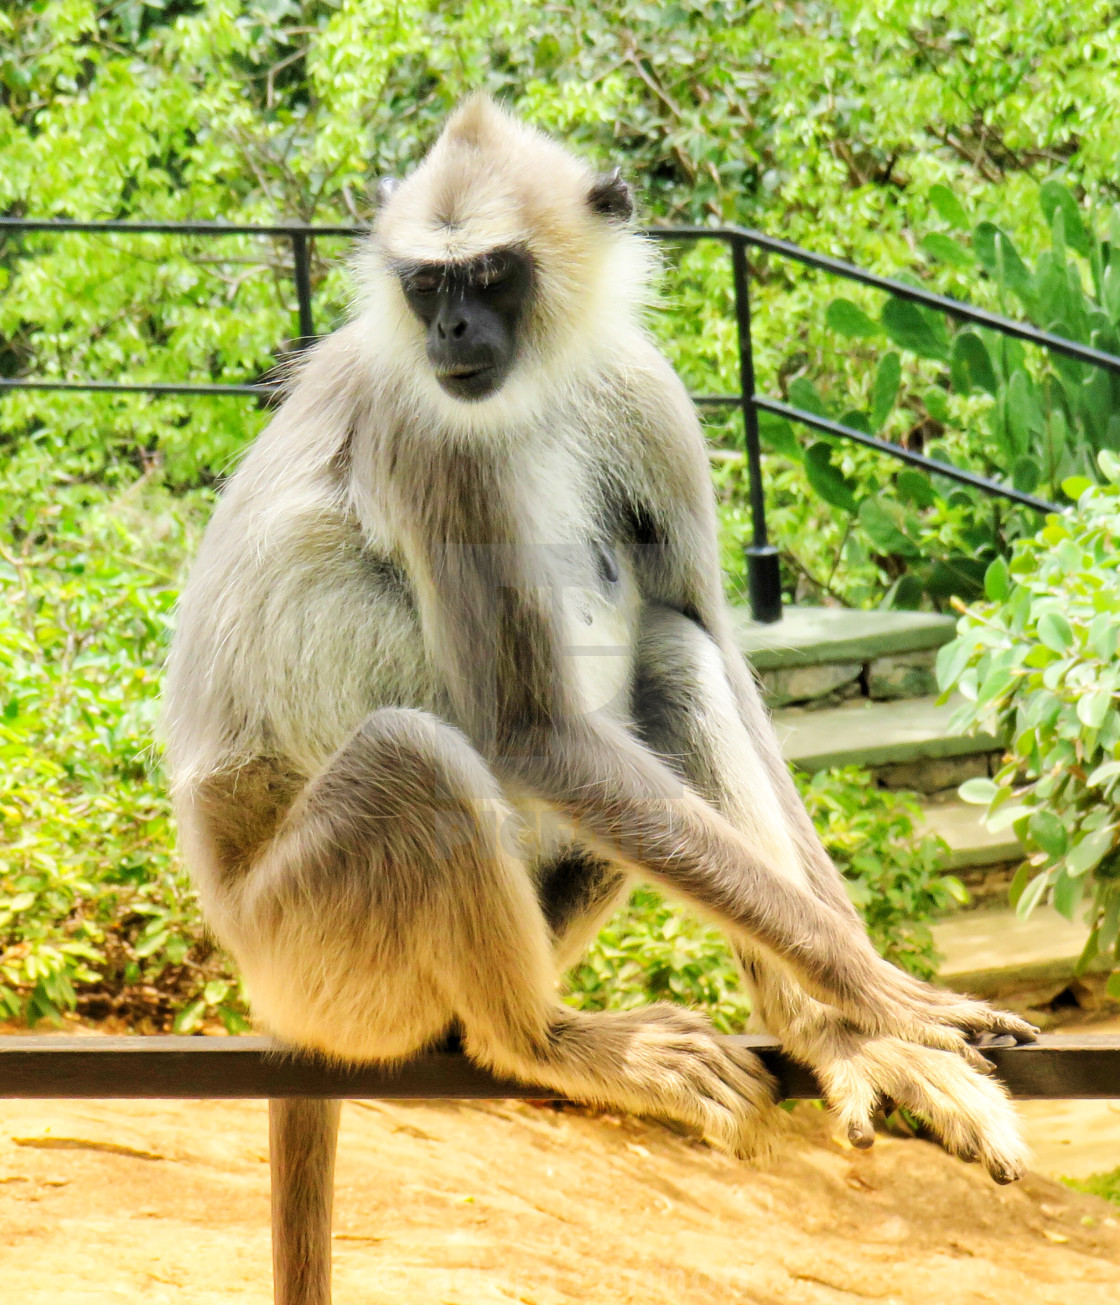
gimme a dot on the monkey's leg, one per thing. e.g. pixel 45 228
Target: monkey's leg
pixel 686 711
pixel 301 1144
pixel 390 906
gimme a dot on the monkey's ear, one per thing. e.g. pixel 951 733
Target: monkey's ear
pixel 611 196
pixel 385 188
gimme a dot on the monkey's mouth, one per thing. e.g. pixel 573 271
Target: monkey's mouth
pixel 468 381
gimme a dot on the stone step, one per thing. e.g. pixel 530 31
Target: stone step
pixel 972 845
pixel 813 636
pixel 995 953
pixel 876 734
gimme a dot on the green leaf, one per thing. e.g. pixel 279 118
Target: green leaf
pixel 1112 985
pixel 1048 832
pixel 850 320
pixel 917 329
pixel 1025 475
pixel 937 403
pixel 1055 631
pixel 948 206
pixel 1066 894
pixel 1093 707
pixel 915 487
pixel 883 529
pixel 970 366
pixel 1019 881
pixel 803 394
pixel 778 436
pixel 1103 631
pixel 1029 898
pixel 951 660
pixel 947 250
pixel 885 389
pixel 1109 465
pixel 1090 851
pixel 1103 774
pixel 995 684
pixel 1052 196
pixel 979 792
pixel 997 581
pixel 1000 259
pixel 1074 486
pixel 827 480
pixel 190 1017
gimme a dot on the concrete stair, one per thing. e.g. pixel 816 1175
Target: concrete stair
pixel 995 954
pixel 875 734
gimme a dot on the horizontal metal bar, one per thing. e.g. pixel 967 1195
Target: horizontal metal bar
pixel 142 387
pixel 282 229
pixel 183 1067
pixel 942 303
pixel 931 465
pixel 219 388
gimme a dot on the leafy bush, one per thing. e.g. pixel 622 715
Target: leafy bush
pixel 1049 416
pixel 1046 417
pixel 1037 665
pixel 95 912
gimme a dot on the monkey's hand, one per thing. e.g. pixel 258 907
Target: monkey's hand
pixel 918 1012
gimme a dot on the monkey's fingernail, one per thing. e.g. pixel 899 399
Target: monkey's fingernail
pixel 997 1040
pixel 861 1136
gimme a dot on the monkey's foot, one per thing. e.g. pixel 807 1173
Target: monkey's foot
pixel 676 1067
pixel 970 1114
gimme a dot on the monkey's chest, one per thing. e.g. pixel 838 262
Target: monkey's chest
pixel 598 623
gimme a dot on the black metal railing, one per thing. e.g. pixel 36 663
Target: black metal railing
pixel 1058 1067
pixel 762 557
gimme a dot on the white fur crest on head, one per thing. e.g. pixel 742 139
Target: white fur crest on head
pixel 492 182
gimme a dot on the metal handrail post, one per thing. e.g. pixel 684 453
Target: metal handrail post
pixel 302 265
pixel 764 580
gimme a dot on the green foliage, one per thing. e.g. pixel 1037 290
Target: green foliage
pixel 1106 1185
pixel 655 951
pixel 95 913
pixel 1037 665
pixel 1045 418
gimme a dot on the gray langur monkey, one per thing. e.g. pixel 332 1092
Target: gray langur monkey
pixel 453 665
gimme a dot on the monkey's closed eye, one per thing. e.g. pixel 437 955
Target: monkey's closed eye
pixel 424 283
pixel 493 274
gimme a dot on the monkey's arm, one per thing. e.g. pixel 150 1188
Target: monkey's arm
pixel 679 571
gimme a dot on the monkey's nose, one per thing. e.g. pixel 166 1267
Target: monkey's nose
pixel 454 329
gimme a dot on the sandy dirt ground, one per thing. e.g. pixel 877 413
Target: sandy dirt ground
pixel 457 1204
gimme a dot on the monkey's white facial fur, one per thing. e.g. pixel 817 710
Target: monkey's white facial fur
pixel 502 268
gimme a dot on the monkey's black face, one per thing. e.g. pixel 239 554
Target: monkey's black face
pixel 472 312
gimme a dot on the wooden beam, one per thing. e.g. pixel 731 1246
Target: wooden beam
pixel 1060 1067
